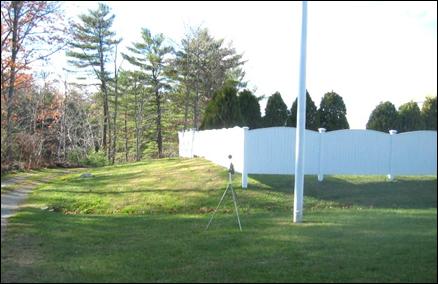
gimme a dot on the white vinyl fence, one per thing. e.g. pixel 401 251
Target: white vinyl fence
pixel 272 151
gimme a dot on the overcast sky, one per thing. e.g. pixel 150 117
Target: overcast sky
pixel 367 52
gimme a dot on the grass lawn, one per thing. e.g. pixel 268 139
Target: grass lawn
pixel 145 222
pixel 28 178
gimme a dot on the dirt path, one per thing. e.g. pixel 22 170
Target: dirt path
pixel 11 200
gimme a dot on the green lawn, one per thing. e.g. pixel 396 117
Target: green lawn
pixel 29 178
pixel 145 222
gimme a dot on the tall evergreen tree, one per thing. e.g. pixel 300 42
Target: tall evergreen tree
pixel 223 110
pixel 275 112
pixel 204 64
pixel 133 103
pixel 312 116
pixel 383 118
pixel 410 117
pixel 153 57
pixel 428 112
pixel 332 112
pixel 250 109
pixel 91 45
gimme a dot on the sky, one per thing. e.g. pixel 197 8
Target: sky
pixel 367 52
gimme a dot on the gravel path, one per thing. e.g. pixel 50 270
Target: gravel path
pixel 11 200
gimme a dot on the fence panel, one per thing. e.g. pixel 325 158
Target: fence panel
pixel 356 152
pixel 414 153
pixel 214 145
pixel 272 151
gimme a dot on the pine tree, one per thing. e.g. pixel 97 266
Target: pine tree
pixel 383 118
pixel 152 56
pixel 410 117
pixel 223 110
pixel 204 64
pixel 249 109
pixel 92 43
pixel 312 116
pixel 428 112
pixel 275 112
pixel 332 112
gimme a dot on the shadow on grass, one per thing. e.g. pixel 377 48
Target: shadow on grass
pixel 156 172
pixel 52 247
pixel 374 191
pixel 131 191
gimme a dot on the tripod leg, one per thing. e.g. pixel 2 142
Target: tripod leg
pixel 225 192
pixel 235 206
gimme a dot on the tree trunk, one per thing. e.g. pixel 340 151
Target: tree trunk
pixel 196 105
pixel 137 130
pixel 11 90
pixel 106 124
pixel 159 135
pixel 137 138
pixel 116 94
pixel 126 134
pixel 108 154
pixel 64 147
pixel 105 96
pixel 196 111
pixel 186 108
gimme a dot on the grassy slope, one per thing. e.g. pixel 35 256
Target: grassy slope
pixel 145 222
pixel 29 178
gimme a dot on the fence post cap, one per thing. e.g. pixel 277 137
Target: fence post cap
pixel 392 131
pixel 322 130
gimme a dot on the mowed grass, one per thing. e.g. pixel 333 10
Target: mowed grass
pixel 29 178
pixel 145 222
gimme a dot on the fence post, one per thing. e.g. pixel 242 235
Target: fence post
pixel 192 132
pixel 245 158
pixel 390 175
pixel 321 144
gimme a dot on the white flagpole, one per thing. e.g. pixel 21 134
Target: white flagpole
pixel 301 124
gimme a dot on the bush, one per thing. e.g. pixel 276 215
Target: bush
pixel 428 112
pixel 312 115
pixel 383 118
pixel 223 110
pixel 333 112
pixel 410 118
pixel 150 150
pixel 75 157
pixel 276 113
pixel 95 159
pixel 250 109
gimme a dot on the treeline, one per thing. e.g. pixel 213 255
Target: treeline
pixel 230 108
pixel 408 117
pixel 156 88
pixel 144 97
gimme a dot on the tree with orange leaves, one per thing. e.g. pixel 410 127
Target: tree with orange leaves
pixel 30 31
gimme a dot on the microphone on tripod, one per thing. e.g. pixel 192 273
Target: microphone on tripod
pixel 233 195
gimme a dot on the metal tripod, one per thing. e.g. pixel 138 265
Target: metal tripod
pixel 229 186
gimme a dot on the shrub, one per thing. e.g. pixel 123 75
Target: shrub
pixel 75 156
pixel 276 113
pixel 333 112
pixel 383 118
pixel 95 159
